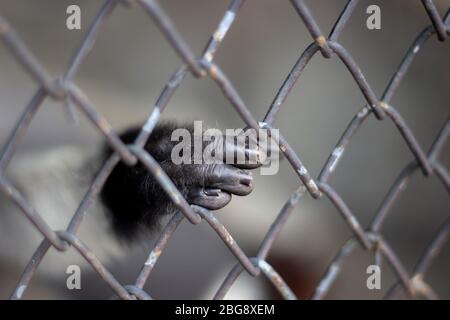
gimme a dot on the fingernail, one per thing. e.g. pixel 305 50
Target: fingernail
pixel 246 178
pixel 211 192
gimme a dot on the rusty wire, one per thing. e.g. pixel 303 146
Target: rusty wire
pixel 65 90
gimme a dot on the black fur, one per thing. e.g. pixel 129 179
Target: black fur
pixel 132 196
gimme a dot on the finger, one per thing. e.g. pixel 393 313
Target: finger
pixel 242 151
pixel 228 178
pixel 212 199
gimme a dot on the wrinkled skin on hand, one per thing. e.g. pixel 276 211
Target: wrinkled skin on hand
pixel 135 201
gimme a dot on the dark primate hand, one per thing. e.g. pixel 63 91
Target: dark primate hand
pixel 135 199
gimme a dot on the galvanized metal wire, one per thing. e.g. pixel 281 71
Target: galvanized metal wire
pixel 64 89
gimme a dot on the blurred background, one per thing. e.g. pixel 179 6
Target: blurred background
pixel 132 61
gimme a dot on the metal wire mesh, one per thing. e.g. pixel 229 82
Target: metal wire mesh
pixel 63 89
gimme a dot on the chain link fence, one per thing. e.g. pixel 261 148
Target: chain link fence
pixel 63 89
